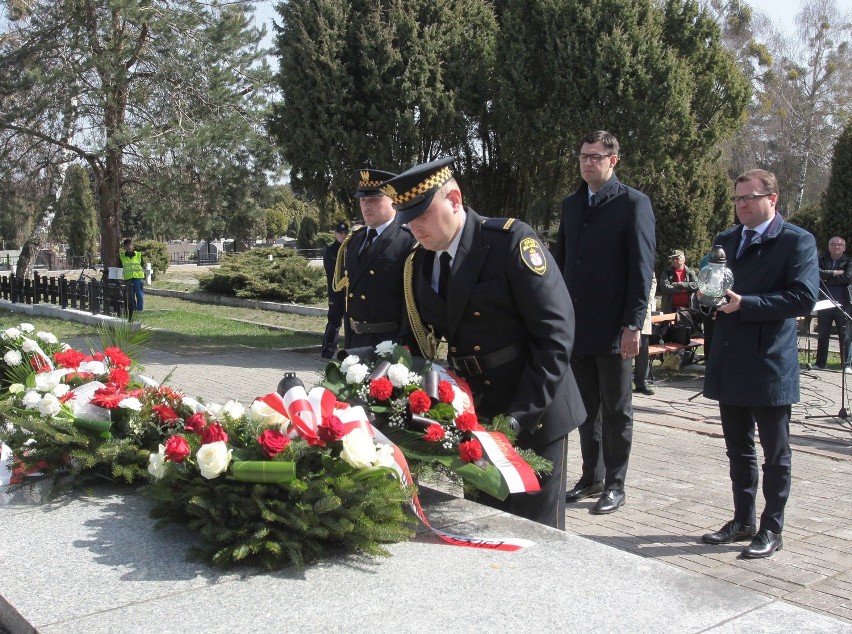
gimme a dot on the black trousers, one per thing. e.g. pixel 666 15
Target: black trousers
pixel 607 434
pixel 824 320
pixel 773 425
pixel 640 367
pixel 336 306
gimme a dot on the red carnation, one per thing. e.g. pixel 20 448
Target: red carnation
pixel 381 389
pixel 165 413
pixel 466 422
pixel 177 449
pixel 108 396
pixel 195 423
pixel 434 433
pixel 69 358
pixel 419 402
pixel 273 442
pixel 98 356
pixel 331 429
pixel 117 357
pixel 119 376
pixel 470 451
pixel 446 394
pixel 213 433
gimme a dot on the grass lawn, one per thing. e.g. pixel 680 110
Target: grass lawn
pixel 188 327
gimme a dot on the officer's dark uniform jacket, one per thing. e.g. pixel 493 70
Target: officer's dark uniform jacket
pixel 510 330
pixel 374 300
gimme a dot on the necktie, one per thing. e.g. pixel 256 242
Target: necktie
pixel 444 276
pixel 371 235
pixel 748 237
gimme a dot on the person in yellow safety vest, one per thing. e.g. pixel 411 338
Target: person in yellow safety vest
pixel 134 275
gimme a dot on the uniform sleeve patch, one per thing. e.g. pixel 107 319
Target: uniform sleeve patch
pixel 532 255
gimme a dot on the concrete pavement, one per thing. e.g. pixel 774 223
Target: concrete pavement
pixel 677 484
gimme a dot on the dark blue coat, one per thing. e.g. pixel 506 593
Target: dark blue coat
pixel 754 359
pixel 606 254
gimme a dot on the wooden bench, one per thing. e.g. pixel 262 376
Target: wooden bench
pixel 659 349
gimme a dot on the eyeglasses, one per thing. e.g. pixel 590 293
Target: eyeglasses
pixel 837 244
pixel 747 198
pixel 594 158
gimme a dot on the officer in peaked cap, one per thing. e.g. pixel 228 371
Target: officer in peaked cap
pixel 369 267
pixel 489 288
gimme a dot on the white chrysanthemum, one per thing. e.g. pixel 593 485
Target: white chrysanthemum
pixel 47 337
pixel 233 409
pixel 93 367
pixel 348 362
pixel 26 327
pixel 131 402
pixel 31 399
pixel 357 373
pixel 398 375
pixel 60 390
pixel 17 388
pixel 49 405
pixel 384 348
pixel 29 345
pixel 157 463
pixel 13 358
pixel 11 333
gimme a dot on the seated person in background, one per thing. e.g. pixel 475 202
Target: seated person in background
pixel 678 283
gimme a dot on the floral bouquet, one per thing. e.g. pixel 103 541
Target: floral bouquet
pixel 429 414
pixel 294 478
pixel 65 412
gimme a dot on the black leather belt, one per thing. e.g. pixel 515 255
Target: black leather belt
pixel 476 365
pixel 366 328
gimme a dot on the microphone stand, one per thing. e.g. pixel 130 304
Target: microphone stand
pixel 842 413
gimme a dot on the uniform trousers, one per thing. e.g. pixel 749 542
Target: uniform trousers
pixel 773 426
pixel 607 433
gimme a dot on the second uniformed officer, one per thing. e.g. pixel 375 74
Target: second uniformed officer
pixel 369 267
pixel 488 287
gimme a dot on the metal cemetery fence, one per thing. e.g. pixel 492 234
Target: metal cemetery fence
pixel 87 294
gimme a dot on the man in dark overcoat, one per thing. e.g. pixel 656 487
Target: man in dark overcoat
pixel 753 367
pixel 370 267
pixel 505 313
pixel 605 249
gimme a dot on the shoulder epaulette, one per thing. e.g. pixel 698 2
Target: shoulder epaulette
pixel 501 224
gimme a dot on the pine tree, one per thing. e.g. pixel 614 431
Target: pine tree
pixel 79 218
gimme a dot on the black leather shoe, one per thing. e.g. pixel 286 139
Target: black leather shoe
pixel 581 491
pixel 730 532
pixel 645 389
pixel 610 502
pixel 764 544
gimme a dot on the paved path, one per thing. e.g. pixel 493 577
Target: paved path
pixel 677 485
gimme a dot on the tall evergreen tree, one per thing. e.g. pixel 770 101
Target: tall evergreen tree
pixel 837 199
pixel 79 218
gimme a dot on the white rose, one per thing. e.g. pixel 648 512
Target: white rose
pixel 93 367
pixel 385 348
pixel 11 333
pixel 31 399
pixel 215 410
pixel 29 345
pixel 357 373
pixel 348 362
pixel 233 409
pixel 131 402
pixel 27 327
pixel 13 358
pixel 47 337
pixel 213 459
pixel 358 449
pixel 398 375
pixel 384 456
pixel 17 388
pixel 49 405
pixel 260 412
pixel 60 390
pixel 157 463
pixel 47 381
